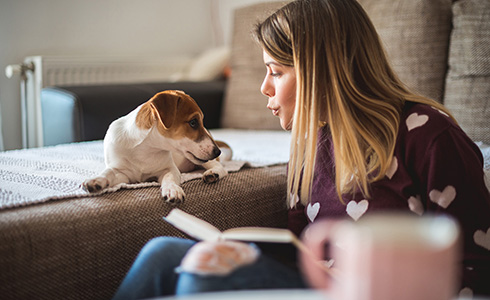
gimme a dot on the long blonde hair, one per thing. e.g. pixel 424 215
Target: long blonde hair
pixel 344 80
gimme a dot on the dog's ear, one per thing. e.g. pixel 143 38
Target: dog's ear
pixel 145 118
pixel 164 106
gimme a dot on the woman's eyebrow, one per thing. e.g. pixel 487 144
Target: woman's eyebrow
pixel 272 63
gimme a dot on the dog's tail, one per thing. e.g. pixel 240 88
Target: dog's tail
pixel 226 152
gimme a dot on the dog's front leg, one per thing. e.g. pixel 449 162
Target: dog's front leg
pixel 170 186
pixel 214 171
pixel 109 177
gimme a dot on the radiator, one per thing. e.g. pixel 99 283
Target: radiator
pixel 38 72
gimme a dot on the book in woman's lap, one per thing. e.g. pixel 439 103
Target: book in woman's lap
pixel 202 230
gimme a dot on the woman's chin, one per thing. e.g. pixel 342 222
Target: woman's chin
pixel 286 125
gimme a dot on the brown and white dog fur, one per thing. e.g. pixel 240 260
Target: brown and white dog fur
pixel 158 140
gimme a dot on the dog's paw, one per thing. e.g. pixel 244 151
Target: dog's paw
pixel 213 175
pixel 210 177
pixel 172 193
pixel 95 185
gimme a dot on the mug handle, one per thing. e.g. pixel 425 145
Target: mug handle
pixel 312 262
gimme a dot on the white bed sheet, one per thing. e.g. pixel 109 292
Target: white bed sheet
pixel 257 147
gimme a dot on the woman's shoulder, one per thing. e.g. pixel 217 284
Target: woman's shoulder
pixel 424 128
pixel 412 109
pixel 425 120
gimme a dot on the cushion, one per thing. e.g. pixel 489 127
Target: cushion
pixel 468 81
pixel 209 65
pixel 415 34
pixel 245 106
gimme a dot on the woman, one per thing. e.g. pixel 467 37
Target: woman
pixel 363 142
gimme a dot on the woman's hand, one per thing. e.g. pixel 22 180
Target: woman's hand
pixel 218 258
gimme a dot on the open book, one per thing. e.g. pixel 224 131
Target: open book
pixel 202 230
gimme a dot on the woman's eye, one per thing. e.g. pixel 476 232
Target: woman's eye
pixel 193 123
pixel 275 74
pixel 272 72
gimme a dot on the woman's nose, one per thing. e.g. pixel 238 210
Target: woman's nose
pixel 266 89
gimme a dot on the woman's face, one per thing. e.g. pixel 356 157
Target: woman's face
pixel 280 87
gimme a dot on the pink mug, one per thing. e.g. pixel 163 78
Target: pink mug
pixel 384 257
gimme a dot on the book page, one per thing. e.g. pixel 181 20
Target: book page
pixel 259 234
pixel 192 225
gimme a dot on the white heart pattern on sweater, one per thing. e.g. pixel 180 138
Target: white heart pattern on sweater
pixel 415 120
pixel 312 211
pixel 415 205
pixel 440 111
pixel 466 293
pixel 444 198
pixel 482 239
pixel 356 209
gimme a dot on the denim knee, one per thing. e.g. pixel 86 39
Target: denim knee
pixel 265 273
pixel 165 246
pixel 153 272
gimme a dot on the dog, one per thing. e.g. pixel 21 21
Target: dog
pixel 159 140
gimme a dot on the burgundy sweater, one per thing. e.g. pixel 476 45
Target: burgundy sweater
pixel 436 169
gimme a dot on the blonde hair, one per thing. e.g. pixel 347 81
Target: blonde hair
pixel 344 80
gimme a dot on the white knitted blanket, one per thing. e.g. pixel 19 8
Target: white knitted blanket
pixel 37 175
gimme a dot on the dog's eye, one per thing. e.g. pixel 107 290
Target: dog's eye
pixel 193 123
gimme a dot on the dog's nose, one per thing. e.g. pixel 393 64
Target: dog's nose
pixel 216 152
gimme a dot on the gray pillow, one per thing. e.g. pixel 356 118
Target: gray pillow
pixel 415 34
pixel 467 92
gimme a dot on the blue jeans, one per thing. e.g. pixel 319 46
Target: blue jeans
pixel 153 273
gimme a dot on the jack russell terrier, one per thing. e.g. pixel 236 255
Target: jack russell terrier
pixel 158 140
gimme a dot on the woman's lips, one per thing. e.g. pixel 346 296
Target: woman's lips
pixel 275 111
